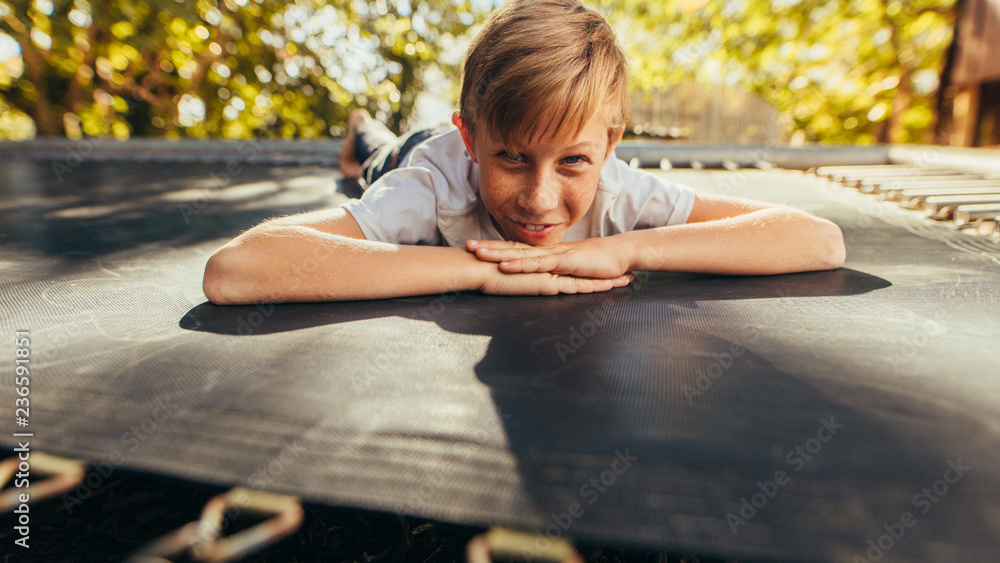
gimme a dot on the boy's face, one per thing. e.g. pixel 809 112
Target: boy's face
pixel 536 191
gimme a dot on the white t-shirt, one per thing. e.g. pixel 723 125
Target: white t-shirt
pixel 433 198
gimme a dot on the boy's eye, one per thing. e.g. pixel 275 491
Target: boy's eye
pixel 511 156
pixel 575 159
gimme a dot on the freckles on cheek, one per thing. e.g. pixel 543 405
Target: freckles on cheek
pixel 492 186
pixel 488 193
pixel 583 196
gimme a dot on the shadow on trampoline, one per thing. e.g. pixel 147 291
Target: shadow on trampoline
pixel 642 375
pixel 100 208
pixel 682 290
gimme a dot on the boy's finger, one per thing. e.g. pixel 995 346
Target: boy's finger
pixel 543 263
pixel 473 245
pixel 622 281
pixel 601 285
pixel 570 284
pixel 504 254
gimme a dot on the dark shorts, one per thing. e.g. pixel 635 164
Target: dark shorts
pixel 379 151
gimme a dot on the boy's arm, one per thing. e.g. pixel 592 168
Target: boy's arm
pixel 723 235
pixel 728 235
pixel 323 256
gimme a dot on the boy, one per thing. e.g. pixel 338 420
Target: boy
pixel 524 198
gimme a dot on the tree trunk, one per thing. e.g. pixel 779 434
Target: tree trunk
pixel 41 110
pixel 901 103
pixel 74 93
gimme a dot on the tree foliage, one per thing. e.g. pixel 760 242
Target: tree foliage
pixel 232 68
pixel 839 70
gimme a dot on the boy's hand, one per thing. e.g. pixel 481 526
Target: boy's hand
pixel 499 283
pixel 604 257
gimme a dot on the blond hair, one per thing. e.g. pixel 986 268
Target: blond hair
pixel 543 67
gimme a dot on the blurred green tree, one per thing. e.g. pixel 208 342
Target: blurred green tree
pixel 230 68
pixel 840 71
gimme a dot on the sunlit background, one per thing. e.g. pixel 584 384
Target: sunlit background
pixel 741 71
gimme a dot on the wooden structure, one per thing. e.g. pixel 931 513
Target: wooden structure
pixel 705 114
pixel 969 103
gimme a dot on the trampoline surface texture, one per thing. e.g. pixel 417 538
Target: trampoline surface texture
pixel 826 416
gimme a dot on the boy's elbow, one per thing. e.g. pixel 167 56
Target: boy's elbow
pixel 221 280
pixel 833 253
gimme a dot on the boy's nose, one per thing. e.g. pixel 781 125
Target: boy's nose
pixel 540 196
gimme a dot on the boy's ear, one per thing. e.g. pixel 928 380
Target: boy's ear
pixel 615 138
pixel 470 144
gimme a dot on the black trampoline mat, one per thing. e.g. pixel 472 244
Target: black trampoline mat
pixel 791 417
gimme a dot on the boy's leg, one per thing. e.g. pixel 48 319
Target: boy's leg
pixel 370 150
pixel 391 156
pixel 411 140
pixel 365 139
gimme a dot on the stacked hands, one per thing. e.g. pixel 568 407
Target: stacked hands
pixel 586 266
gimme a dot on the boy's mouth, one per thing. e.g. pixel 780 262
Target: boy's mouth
pixel 533 230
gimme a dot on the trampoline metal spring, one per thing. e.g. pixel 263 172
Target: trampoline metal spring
pixel 503 542
pixel 969 196
pixel 201 537
pixel 65 474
